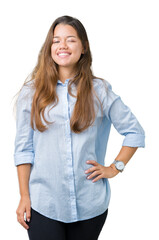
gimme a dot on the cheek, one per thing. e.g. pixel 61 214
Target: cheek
pixel 78 54
pixel 77 51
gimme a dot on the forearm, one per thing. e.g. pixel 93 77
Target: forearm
pixel 23 171
pixel 125 155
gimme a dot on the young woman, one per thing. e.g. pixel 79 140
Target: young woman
pixel 63 121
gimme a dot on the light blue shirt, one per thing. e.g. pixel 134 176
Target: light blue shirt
pixel 58 185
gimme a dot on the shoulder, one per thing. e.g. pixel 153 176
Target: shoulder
pixel 101 84
pixel 28 87
pixel 26 91
pixel 104 90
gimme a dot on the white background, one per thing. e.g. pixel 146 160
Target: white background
pixel 124 41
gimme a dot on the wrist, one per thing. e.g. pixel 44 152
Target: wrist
pixel 119 165
pixel 114 168
pixel 25 195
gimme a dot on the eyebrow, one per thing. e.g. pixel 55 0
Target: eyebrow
pixel 67 36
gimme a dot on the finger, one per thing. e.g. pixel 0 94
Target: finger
pixel 93 174
pixel 97 178
pixel 28 214
pixel 22 222
pixel 92 162
pixel 92 169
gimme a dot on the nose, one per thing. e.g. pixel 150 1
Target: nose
pixel 63 44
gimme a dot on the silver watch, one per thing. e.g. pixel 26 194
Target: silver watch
pixel 119 165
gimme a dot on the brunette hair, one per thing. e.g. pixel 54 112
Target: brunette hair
pixel 45 76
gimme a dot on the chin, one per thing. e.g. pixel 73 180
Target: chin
pixel 65 64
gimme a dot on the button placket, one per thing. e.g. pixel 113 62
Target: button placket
pixel 69 155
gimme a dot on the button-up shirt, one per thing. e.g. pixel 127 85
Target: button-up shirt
pixel 58 186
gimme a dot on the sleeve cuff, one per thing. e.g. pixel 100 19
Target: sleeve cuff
pixel 134 140
pixel 23 158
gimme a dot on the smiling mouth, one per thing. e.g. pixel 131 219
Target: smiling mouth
pixel 64 55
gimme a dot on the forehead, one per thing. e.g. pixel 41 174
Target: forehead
pixel 64 30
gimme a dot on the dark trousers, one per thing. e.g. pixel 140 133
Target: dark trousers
pixel 43 228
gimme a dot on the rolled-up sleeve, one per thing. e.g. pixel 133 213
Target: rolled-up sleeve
pixel 23 145
pixel 123 119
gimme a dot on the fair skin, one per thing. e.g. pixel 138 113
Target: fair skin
pixel 62 42
pixel 23 171
pixel 65 39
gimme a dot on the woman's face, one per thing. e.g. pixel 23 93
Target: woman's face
pixel 66 48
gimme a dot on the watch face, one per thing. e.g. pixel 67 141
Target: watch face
pixel 120 165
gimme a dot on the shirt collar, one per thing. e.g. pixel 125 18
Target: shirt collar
pixel 66 81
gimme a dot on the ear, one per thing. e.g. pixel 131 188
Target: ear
pixel 83 51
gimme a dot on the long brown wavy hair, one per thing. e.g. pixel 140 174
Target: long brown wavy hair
pixel 45 76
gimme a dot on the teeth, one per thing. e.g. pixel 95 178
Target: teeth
pixel 63 54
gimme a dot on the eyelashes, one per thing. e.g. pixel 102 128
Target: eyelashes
pixel 67 41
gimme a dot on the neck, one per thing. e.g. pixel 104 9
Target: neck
pixel 65 73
